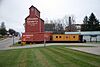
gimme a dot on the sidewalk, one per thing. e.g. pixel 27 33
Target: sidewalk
pixel 92 50
pixel 48 44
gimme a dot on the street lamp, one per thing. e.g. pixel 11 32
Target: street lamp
pixel 13 39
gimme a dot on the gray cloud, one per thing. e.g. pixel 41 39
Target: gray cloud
pixel 13 12
pixel 0 2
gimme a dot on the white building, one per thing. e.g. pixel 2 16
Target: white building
pixel 88 35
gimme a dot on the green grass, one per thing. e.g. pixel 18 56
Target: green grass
pixel 98 42
pixel 51 56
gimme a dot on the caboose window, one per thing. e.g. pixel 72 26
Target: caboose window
pixel 66 36
pixel 59 36
pixel 73 36
pixel 56 36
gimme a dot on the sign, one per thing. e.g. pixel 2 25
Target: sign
pixel 32 21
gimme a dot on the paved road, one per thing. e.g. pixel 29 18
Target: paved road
pixel 7 42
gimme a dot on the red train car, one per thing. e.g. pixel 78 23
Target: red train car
pixel 36 37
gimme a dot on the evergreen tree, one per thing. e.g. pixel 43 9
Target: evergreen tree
pixel 3 30
pixel 84 25
pixel 3 25
pixel 91 24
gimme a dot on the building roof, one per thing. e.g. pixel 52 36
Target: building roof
pixel 91 33
pixel 85 33
pixel 72 33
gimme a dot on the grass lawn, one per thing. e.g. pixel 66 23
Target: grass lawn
pixel 51 56
pixel 98 42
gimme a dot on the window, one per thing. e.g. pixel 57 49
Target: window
pixel 56 36
pixel 73 36
pixel 32 9
pixel 66 36
pixel 59 36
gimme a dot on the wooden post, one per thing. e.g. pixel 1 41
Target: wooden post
pixel 44 42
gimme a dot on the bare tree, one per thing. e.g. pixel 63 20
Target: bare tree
pixel 71 25
pixel 60 25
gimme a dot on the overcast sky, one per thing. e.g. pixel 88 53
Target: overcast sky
pixel 13 12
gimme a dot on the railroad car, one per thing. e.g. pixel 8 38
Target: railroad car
pixel 36 37
pixel 67 37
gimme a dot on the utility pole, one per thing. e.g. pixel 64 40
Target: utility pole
pixel 13 39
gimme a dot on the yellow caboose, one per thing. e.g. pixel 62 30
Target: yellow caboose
pixel 66 37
